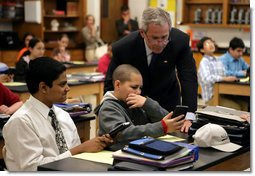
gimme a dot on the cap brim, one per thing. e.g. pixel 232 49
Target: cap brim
pixel 229 147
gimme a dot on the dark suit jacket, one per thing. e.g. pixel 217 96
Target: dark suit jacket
pixel 162 86
pixel 121 26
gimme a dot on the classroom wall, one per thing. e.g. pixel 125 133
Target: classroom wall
pixel 93 7
pixel 222 36
pixel 135 8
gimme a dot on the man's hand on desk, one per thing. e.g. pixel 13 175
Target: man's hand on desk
pixel 230 78
pixel 246 117
pixel 93 145
pixel 186 125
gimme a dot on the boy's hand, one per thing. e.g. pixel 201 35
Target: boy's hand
pixel 230 78
pixel 97 144
pixel 5 109
pixel 173 124
pixel 135 101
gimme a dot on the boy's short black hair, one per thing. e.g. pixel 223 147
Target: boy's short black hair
pixel 43 69
pixel 236 43
pixel 123 73
pixel 124 8
pixel 200 44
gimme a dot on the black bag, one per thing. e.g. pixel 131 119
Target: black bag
pixel 238 132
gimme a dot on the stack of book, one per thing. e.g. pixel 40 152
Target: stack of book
pixel 75 109
pixel 158 153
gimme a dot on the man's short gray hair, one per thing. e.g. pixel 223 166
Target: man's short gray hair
pixel 155 15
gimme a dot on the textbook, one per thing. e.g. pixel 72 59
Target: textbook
pixel 180 157
pixel 194 149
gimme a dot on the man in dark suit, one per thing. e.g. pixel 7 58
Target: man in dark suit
pixel 172 76
pixel 125 25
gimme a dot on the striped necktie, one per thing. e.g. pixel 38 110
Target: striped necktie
pixel 60 139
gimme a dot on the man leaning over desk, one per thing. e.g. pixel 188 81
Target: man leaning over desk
pixel 40 132
pixel 161 53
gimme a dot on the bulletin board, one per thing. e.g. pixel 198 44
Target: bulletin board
pixel 168 5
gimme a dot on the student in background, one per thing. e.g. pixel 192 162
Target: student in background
pixel 125 25
pixel 36 49
pixel 125 104
pixel 60 53
pixel 232 60
pixel 39 132
pixel 27 37
pixel 104 61
pixel 9 101
pixel 91 38
pixel 210 71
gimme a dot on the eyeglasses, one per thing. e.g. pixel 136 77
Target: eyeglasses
pixel 155 40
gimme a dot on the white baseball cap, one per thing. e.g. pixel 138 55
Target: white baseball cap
pixel 213 135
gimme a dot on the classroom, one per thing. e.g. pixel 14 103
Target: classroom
pixel 175 72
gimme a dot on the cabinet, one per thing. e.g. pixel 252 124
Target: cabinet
pixel 204 13
pixel 70 22
pixel 67 15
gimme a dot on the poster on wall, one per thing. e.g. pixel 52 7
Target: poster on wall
pixel 168 5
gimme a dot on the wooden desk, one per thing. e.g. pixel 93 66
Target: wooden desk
pixel 81 68
pixel 82 124
pixel 238 163
pixel 76 90
pixel 228 88
pixel 228 162
pixel 1 146
pixel 209 160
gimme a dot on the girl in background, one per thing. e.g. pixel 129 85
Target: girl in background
pixel 104 61
pixel 27 37
pixel 36 49
pixel 60 53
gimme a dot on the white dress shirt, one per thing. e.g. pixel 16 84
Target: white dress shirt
pixel 210 71
pixel 30 138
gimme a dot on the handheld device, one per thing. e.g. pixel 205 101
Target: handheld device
pixel 179 110
pixel 118 129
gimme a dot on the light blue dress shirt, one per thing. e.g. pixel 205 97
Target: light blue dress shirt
pixel 233 67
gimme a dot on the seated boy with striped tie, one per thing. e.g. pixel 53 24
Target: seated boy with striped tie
pixel 40 132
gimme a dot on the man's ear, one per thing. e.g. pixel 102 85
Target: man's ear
pixel 142 33
pixel 43 87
